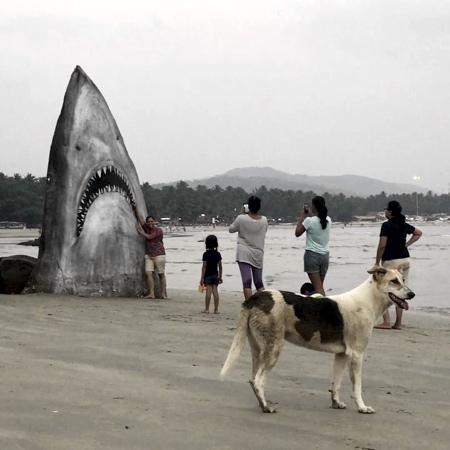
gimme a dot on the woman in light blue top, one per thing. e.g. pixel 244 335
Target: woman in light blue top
pixel 317 227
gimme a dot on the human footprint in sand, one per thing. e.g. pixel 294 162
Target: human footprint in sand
pixel 211 275
pixel 393 250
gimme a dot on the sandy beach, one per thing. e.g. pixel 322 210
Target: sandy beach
pixel 102 373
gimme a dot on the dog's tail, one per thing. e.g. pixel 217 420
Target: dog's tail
pixel 238 342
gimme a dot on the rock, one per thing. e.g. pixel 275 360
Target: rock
pixel 32 243
pixel 14 273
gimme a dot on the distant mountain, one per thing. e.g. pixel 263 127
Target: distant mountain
pixel 250 178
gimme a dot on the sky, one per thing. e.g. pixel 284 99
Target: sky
pixel 315 87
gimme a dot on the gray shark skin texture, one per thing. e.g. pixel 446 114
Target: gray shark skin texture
pixel 89 244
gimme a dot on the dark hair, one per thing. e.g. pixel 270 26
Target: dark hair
pixel 150 217
pixel 396 212
pixel 254 204
pixel 307 289
pixel 322 211
pixel 211 242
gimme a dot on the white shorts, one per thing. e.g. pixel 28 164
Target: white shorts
pixel 396 262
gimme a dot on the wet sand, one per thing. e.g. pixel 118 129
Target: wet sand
pixel 102 373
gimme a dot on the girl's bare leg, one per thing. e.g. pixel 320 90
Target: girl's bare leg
pixel 386 324
pixel 163 285
pixel 207 299
pixel 398 321
pixel 317 280
pixel 215 292
pixel 151 285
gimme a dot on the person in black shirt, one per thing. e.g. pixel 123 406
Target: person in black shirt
pixel 393 250
pixel 211 275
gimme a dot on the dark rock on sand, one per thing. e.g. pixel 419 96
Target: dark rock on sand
pixel 32 243
pixel 14 273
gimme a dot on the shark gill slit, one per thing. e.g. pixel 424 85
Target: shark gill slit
pixel 104 180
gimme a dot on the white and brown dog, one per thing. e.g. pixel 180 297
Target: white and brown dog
pixel 340 324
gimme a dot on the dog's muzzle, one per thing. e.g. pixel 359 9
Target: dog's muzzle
pixel 400 302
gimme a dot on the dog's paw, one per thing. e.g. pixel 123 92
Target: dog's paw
pixel 269 408
pixel 338 405
pixel 366 410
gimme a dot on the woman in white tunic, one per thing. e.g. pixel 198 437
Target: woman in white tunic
pixel 251 228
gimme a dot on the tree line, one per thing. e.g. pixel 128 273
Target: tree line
pixel 22 200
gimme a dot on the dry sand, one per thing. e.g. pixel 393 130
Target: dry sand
pixel 81 373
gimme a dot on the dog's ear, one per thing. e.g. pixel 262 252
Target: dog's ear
pixel 377 272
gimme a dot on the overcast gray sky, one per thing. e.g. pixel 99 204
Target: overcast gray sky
pixel 201 87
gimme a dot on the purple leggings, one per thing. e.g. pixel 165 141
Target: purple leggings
pixel 247 272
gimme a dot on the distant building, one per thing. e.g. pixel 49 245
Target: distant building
pixel 365 218
pixel 17 225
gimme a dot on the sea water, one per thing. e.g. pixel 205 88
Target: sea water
pixel 352 253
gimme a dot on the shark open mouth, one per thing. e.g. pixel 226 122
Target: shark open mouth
pixel 89 245
pixel 104 180
pixel 401 303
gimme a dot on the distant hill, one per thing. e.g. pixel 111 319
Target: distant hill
pixel 250 178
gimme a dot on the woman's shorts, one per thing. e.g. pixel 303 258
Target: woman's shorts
pixel 155 264
pixel 316 262
pixel 212 280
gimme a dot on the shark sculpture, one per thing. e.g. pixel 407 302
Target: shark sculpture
pixel 89 244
